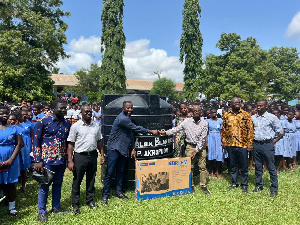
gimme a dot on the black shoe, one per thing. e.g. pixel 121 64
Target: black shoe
pixel 193 189
pixel 233 186
pixel 245 190
pixel 273 194
pixel 43 217
pixel 205 190
pixel 122 196
pixel 92 205
pixel 257 189
pixel 61 211
pixel 104 201
pixel 13 212
pixel 76 210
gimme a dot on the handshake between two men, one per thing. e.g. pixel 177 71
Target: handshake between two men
pixel 157 132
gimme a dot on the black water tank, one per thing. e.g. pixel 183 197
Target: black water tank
pixel 151 112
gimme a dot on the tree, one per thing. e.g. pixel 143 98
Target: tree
pixel 55 70
pixel 32 35
pixel 191 43
pixel 165 87
pixel 113 79
pixel 286 83
pixel 244 70
pixel 88 82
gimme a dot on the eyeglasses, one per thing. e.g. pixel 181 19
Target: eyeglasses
pixel 87 112
pixel 196 110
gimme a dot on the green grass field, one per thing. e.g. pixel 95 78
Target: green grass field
pixel 221 207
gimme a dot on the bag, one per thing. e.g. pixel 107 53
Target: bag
pixel 44 178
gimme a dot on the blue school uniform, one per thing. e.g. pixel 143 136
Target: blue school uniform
pixel 28 127
pixel 297 135
pixel 7 147
pixel 279 147
pixel 96 114
pixel 24 155
pixel 289 139
pixel 282 117
pixel 215 151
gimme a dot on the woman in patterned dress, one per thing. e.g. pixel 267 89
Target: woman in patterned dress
pixel 179 150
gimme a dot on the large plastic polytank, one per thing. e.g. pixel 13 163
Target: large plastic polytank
pixel 149 111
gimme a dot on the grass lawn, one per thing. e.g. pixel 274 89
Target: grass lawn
pixel 221 207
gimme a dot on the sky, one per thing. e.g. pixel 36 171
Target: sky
pixel 153 30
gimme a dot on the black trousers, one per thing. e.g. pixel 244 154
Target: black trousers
pixel 84 164
pixel 265 151
pixel 115 161
pixel 237 156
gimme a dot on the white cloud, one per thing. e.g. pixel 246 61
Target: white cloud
pixel 76 59
pixel 89 45
pixel 139 48
pixel 176 43
pixel 141 62
pixel 293 30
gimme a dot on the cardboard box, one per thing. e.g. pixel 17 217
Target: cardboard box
pixel 163 177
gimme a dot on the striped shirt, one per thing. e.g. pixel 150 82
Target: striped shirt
pixel 195 132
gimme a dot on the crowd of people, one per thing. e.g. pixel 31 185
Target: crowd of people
pixel 229 135
pixel 235 133
pixel 38 136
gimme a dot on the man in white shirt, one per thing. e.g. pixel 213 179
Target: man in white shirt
pixel 84 139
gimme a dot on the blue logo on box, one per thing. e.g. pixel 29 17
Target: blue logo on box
pixel 174 163
pixel 143 164
pixel 152 164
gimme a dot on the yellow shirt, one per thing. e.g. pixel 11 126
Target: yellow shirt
pixel 237 129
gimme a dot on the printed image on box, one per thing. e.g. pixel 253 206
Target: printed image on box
pixel 155 182
pixel 163 177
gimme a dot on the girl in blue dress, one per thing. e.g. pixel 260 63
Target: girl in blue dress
pixel 289 139
pixel 27 131
pixel 10 146
pixel 213 143
pixel 297 136
pixel 279 148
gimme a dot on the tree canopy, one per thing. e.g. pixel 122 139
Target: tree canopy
pixel 247 71
pixel 32 35
pixel 88 82
pixel 165 87
pixel 191 43
pixel 113 79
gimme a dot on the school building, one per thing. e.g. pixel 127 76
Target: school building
pixel 65 83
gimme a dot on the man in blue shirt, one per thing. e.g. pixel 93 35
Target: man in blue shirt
pixel 50 151
pixel 118 145
pixel 267 127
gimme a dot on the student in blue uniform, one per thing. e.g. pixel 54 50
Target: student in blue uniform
pixel 289 140
pixel 97 115
pixel 10 146
pixel 279 148
pixel 214 144
pixel 27 137
pixel 297 136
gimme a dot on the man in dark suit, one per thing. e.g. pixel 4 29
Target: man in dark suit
pixel 118 145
